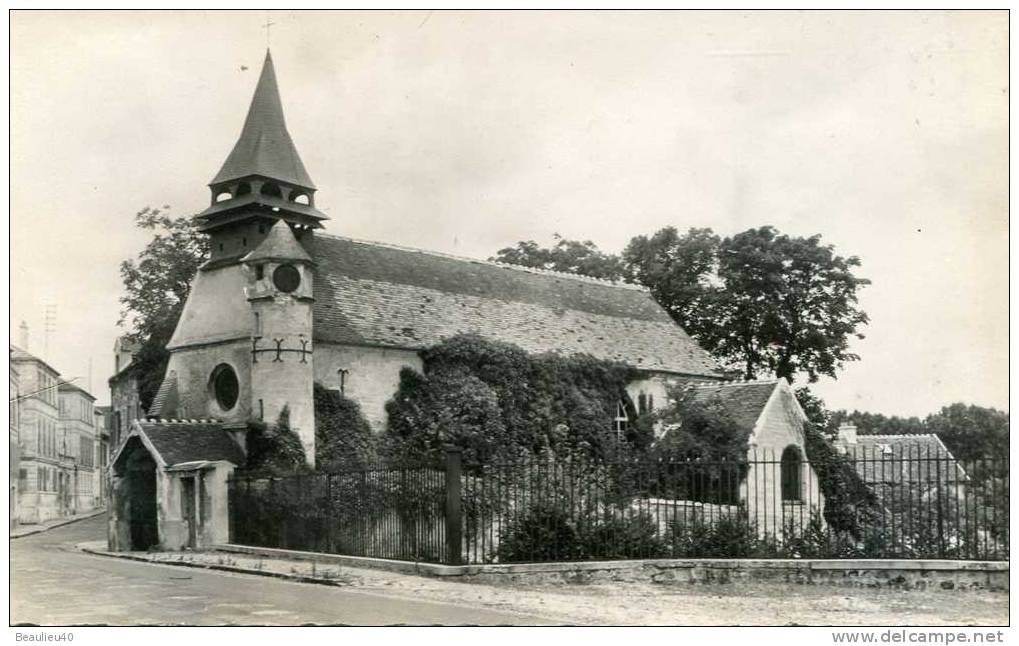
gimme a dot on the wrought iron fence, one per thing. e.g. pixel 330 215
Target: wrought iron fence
pixel 905 505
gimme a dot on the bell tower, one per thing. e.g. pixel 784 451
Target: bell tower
pixel 259 277
pixel 262 180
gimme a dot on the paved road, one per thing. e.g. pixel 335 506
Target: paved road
pixel 52 584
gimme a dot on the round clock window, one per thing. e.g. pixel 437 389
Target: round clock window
pixel 286 278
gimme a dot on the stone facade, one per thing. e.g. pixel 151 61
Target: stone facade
pixel 125 401
pixel 14 421
pixel 42 481
pixel 368 375
pixel 56 443
pixel 78 438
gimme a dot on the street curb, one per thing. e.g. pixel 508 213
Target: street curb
pixel 299 578
pixel 40 530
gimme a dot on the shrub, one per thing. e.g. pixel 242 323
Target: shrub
pixel 623 537
pixel 726 537
pixel 275 449
pixel 544 533
pixel 343 438
pixel 816 539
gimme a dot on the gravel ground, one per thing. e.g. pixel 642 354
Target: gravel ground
pixel 651 604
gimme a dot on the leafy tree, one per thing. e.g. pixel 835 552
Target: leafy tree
pixel 679 271
pixel 571 256
pixel 788 305
pixel 814 407
pixel 971 432
pixel 343 438
pixel 156 285
pixel 878 424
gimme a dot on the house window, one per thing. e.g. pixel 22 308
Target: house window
pixel 792 464
pixel 621 422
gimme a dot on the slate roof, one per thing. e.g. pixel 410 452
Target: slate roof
pixel 265 147
pixel 904 459
pixel 17 354
pixel 380 295
pixel 165 400
pixel 68 387
pixel 744 400
pixel 191 441
pixel 279 244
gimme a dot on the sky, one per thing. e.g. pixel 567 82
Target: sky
pixel 464 132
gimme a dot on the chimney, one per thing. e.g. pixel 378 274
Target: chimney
pixel 847 433
pixel 23 339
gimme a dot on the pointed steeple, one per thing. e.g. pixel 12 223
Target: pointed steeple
pixel 265 147
pixel 279 245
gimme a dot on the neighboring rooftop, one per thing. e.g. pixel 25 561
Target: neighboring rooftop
pixel 69 387
pixel 17 354
pixel 919 458
pixel 370 293
pixel 743 400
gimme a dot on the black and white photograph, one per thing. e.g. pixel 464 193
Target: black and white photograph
pixel 509 318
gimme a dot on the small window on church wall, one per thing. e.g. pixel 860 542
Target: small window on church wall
pixel 286 278
pixel 301 198
pixel 259 272
pixel 224 196
pixel 225 387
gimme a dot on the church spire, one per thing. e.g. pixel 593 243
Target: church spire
pixel 265 147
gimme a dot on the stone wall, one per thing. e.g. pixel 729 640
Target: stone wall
pixel 372 377
pixel 193 367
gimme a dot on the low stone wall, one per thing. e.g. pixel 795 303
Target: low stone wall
pixel 899 574
pixel 872 573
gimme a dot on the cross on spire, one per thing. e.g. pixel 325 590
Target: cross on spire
pixel 268 25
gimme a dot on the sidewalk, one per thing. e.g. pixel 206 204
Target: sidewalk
pixel 617 603
pixel 27 530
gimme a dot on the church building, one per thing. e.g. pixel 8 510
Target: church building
pixel 280 305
